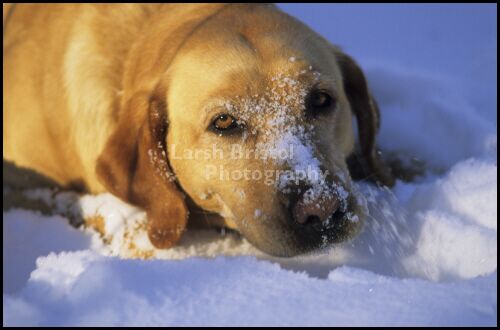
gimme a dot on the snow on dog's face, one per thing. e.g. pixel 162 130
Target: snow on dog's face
pixel 259 112
pixel 260 127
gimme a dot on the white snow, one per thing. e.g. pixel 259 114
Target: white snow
pixel 84 288
pixel 426 256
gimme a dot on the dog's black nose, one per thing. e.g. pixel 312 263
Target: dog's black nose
pixel 314 211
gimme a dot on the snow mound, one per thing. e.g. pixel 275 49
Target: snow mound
pixel 458 220
pixel 26 236
pixel 86 289
pixel 440 125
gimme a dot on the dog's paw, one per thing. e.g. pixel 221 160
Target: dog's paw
pixel 164 237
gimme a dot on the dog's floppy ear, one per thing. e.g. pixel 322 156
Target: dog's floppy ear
pixel 366 161
pixel 134 167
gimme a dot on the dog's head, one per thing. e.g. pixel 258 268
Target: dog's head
pixel 259 111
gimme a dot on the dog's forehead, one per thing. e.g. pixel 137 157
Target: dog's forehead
pixel 247 58
pixel 245 80
pixel 248 82
pixel 239 52
pixel 280 97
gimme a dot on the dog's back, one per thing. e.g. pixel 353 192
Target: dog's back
pixel 63 68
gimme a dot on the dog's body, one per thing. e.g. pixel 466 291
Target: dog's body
pixel 87 88
pixel 71 72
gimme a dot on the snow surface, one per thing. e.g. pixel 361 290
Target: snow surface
pixel 427 255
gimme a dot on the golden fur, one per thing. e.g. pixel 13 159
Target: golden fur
pixel 89 90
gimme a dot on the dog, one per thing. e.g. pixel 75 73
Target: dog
pixel 235 111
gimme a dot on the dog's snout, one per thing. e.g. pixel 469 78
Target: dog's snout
pixel 314 211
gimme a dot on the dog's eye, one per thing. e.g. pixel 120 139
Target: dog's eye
pixel 224 122
pixel 318 102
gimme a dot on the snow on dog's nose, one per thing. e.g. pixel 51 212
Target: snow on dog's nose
pixel 310 211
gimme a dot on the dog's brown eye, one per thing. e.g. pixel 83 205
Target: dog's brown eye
pixel 224 122
pixel 318 102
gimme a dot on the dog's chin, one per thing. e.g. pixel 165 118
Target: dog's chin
pixel 290 239
pixel 294 243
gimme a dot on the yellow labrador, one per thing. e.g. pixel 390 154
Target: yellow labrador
pixel 237 110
